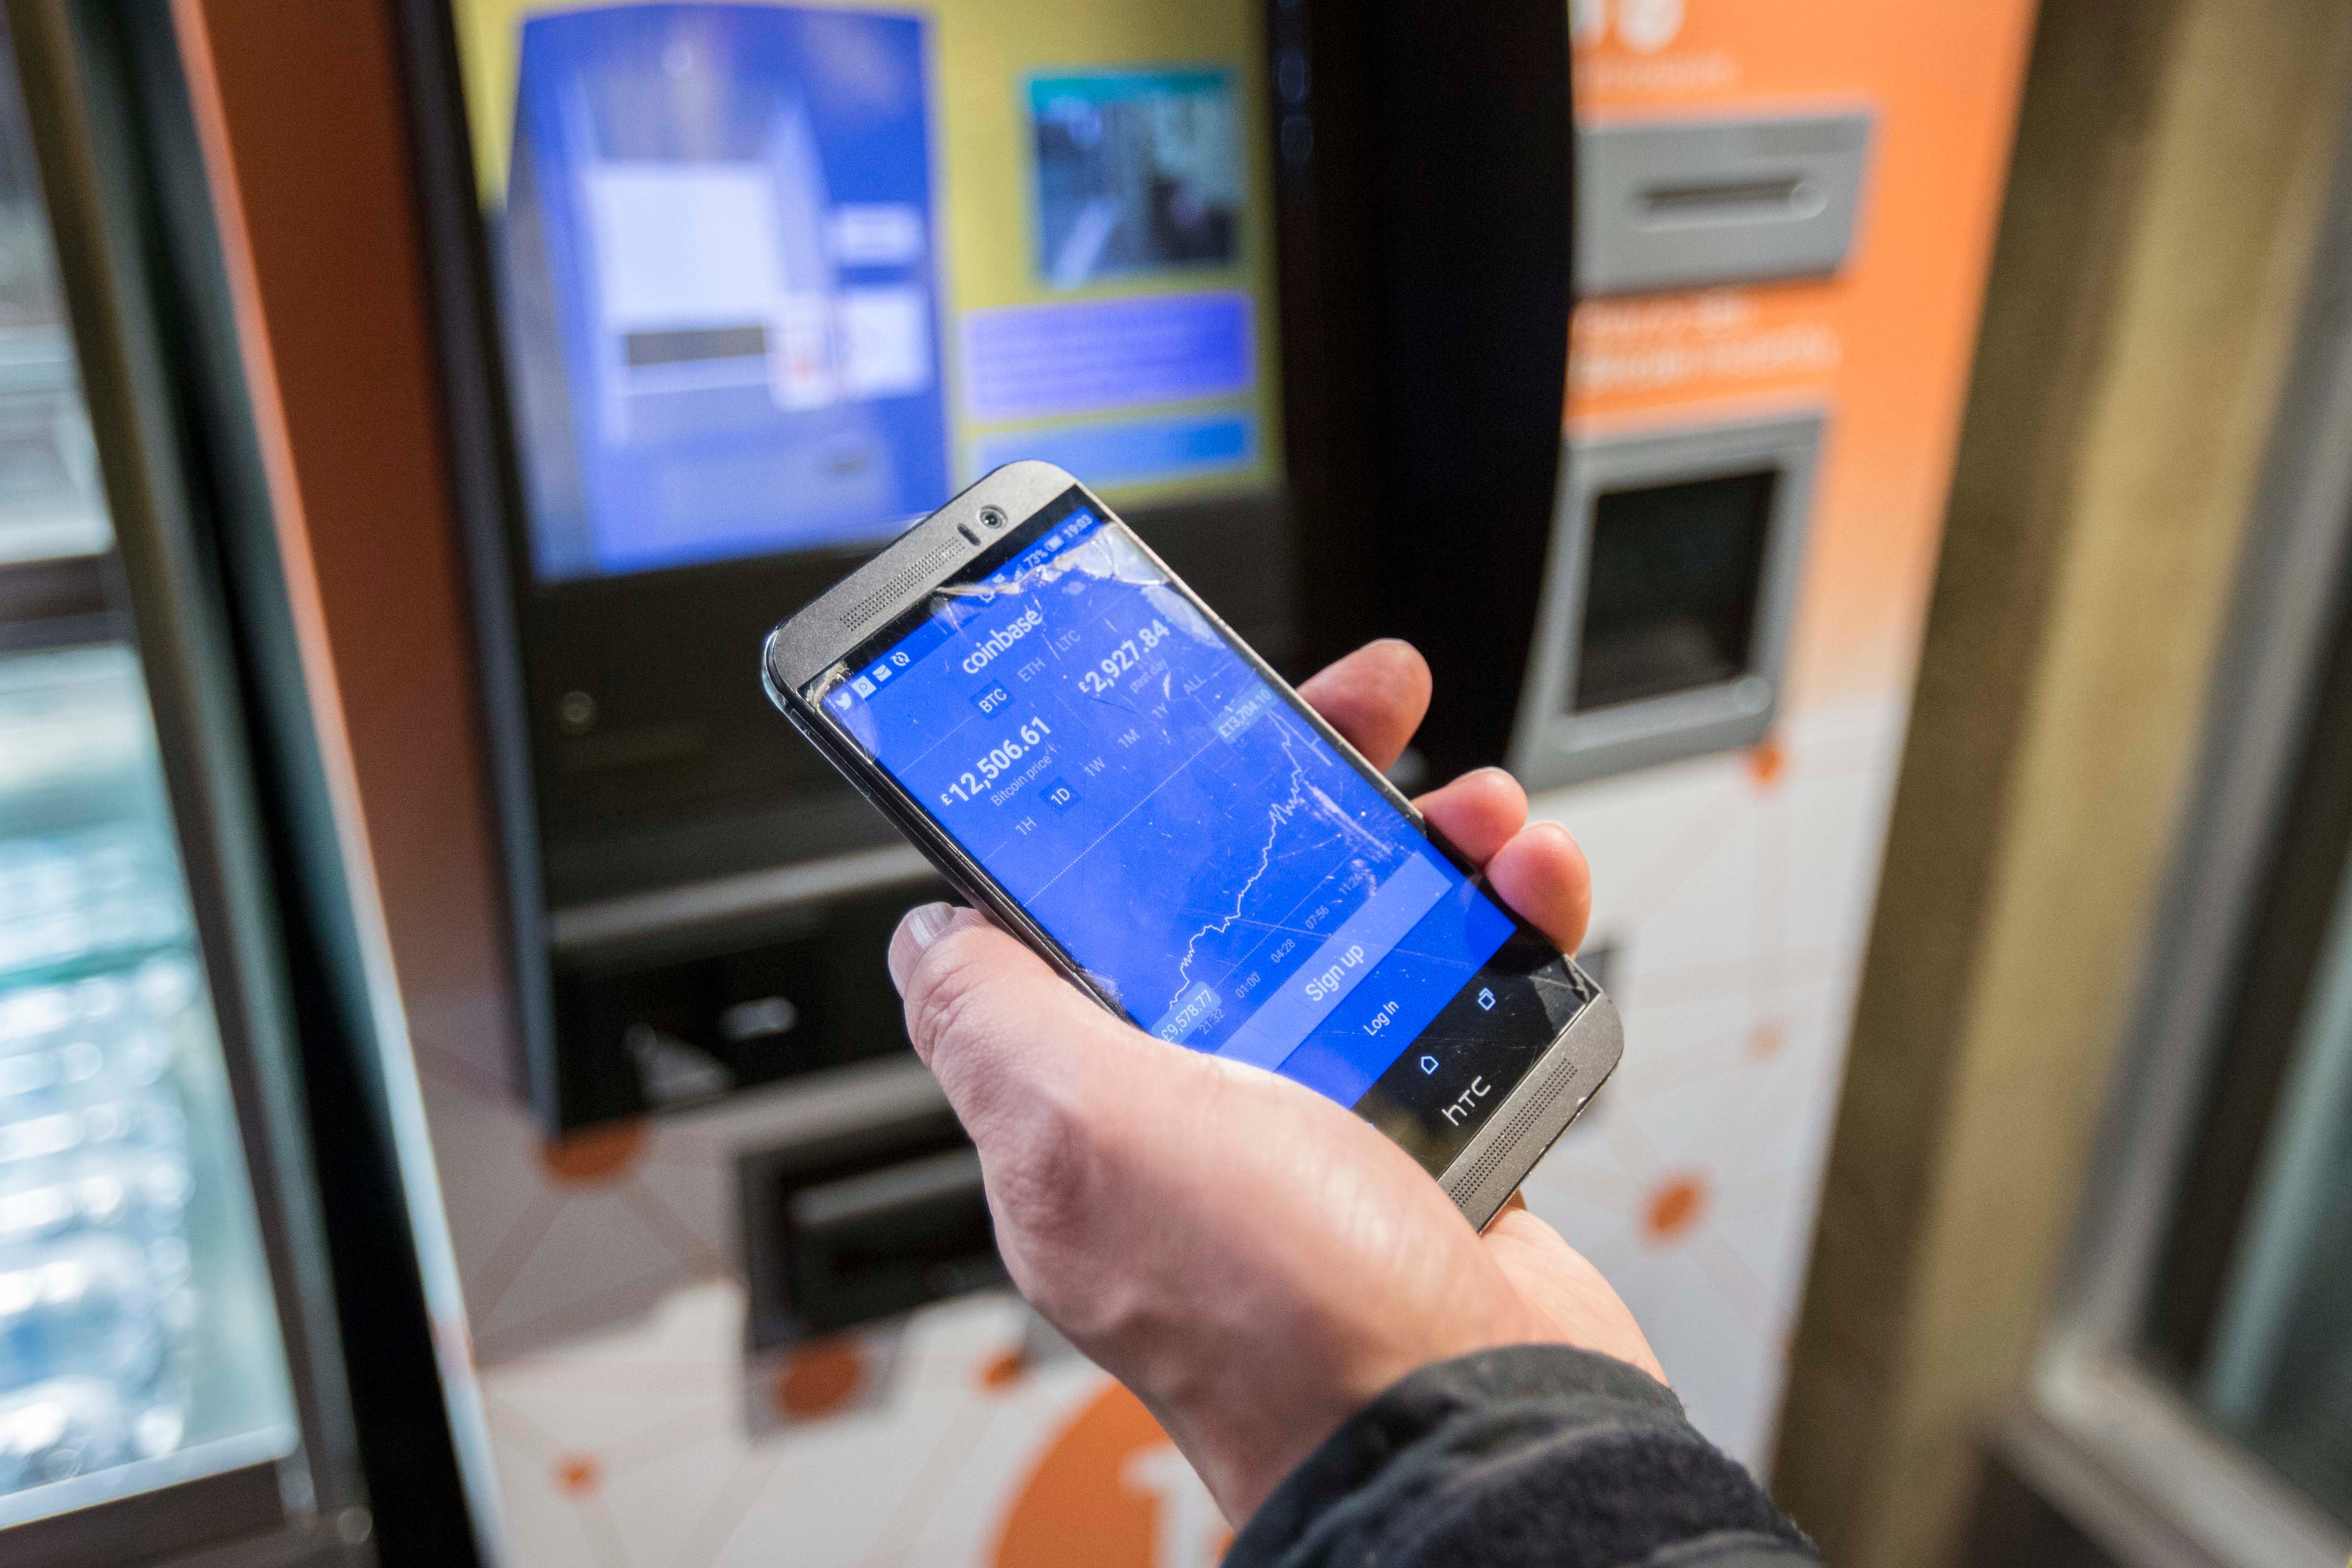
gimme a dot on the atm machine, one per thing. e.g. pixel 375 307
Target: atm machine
pixel 730 293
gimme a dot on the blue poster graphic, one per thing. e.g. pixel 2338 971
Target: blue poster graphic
pixel 1022 362
pixel 1136 171
pixel 718 266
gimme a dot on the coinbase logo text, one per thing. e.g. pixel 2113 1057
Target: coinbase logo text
pixel 1003 637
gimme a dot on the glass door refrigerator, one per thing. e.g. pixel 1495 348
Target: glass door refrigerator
pixel 215 1308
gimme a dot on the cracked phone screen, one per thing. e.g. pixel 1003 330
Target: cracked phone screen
pixel 1220 871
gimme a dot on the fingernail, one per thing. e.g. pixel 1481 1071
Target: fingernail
pixel 918 929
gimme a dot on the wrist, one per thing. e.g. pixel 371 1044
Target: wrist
pixel 1245 1431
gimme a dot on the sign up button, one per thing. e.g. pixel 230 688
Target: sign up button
pixel 1349 954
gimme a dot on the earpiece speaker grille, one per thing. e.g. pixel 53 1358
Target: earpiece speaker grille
pixel 899 582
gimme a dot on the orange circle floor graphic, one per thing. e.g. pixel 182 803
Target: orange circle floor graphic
pixel 595 1154
pixel 1113 1492
pixel 1675 1205
pixel 1003 1370
pixel 820 1377
pixel 1766 762
pixel 579 1475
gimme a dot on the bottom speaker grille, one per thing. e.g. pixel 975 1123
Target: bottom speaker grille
pixel 1540 1100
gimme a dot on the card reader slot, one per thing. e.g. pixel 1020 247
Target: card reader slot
pixel 1698 203
pixel 1770 200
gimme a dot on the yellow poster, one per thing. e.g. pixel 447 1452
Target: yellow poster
pixel 776 278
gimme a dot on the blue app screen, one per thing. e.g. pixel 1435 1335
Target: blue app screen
pixel 1189 840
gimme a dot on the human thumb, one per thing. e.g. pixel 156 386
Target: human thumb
pixel 985 1013
pixel 918 929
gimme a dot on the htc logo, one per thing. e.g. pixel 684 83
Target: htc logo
pixel 1466 1101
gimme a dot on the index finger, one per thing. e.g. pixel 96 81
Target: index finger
pixel 1376 696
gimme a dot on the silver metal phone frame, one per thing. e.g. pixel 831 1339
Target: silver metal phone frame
pixel 1556 1086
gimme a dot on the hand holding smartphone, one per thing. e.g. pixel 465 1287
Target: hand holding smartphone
pixel 1089 754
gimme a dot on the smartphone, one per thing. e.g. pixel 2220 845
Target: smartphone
pixel 1089 754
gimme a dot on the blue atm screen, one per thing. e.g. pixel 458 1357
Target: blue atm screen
pixel 1189 840
pixel 718 263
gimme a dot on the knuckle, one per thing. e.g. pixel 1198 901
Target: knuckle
pixel 947 993
pixel 1036 1125
pixel 1048 1159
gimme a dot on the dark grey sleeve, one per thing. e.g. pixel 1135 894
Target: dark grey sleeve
pixel 1507 1458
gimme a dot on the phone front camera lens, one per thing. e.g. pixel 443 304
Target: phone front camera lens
pixel 992 517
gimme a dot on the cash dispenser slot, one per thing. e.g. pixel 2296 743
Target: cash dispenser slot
pixel 1666 616
pixel 863 1227
pixel 1697 202
pixel 686 1011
